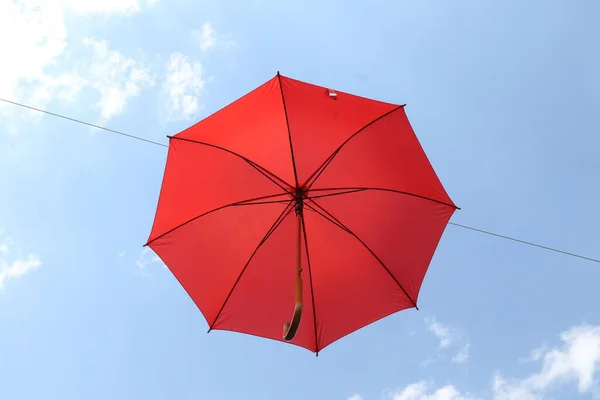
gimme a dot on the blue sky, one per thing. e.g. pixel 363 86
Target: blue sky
pixel 502 95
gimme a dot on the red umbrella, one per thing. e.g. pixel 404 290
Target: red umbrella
pixel 299 197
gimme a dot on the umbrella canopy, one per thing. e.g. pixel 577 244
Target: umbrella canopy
pixel 303 207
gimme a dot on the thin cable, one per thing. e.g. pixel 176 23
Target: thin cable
pixel 84 123
pixel 164 145
pixel 525 242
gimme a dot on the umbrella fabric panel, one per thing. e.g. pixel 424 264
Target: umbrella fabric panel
pixel 401 231
pixel 385 155
pixel 351 289
pixel 263 299
pixel 208 255
pixel 254 126
pixel 319 122
pixel 199 179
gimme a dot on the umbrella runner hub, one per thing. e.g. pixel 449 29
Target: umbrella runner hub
pixel 299 201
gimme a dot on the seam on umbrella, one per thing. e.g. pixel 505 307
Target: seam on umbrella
pixel 273 177
pixel 286 211
pixel 315 175
pixel 248 202
pixel 287 122
pixel 312 290
pixel 329 217
pixel 348 190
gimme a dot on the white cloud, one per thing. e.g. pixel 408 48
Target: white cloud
pixel 38 71
pixel 443 332
pixel 40 37
pixel 423 391
pixel 145 260
pixel 535 354
pixel 450 337
pixel 574 365
pixel 577 362
pixel 355 397
pixel 115 77
pixel 210 39
pixel 462 355
pixel 17 267
pixel 104 6
pixel 185 79
pixel 184 83
pixel 428 361
pixel 46 64
pixel 207 37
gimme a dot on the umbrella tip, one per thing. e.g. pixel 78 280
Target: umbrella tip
pixel 278 73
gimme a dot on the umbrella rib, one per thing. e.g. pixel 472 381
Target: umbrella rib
pixel 257 203
pixel 287 122
pixel 312 290
pixel 286 211
pixel 348 190
pixel 248 202
pixel 315 175
pixel 328 216
pixel 268 174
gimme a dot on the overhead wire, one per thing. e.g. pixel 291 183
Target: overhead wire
pixel 524 242
pixel 510 238
pixel 84 123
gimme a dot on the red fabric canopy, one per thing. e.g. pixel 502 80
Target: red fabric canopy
pixel 372 212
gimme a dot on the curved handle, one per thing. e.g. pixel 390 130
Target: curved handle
pixel 290 328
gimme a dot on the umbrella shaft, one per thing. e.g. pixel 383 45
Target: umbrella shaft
pixel 298 286
pixel 299 244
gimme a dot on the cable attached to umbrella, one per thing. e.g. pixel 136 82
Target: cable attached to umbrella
pixel 291 328
pixel 595 260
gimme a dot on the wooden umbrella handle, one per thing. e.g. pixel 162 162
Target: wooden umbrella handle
pixel 290 328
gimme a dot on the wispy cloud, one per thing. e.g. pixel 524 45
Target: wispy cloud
pixel 206 36
pixel 185 77
pixel 209 39
pixel 145 259
pixel 183 85
pixel 575 362
pixel 462 355
pixel 444 333
pixel 115 77
pixel 17 266
pixel 103 7
pixel 450 337
pixel 424 390
pixel 33 74
pixel 46 66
